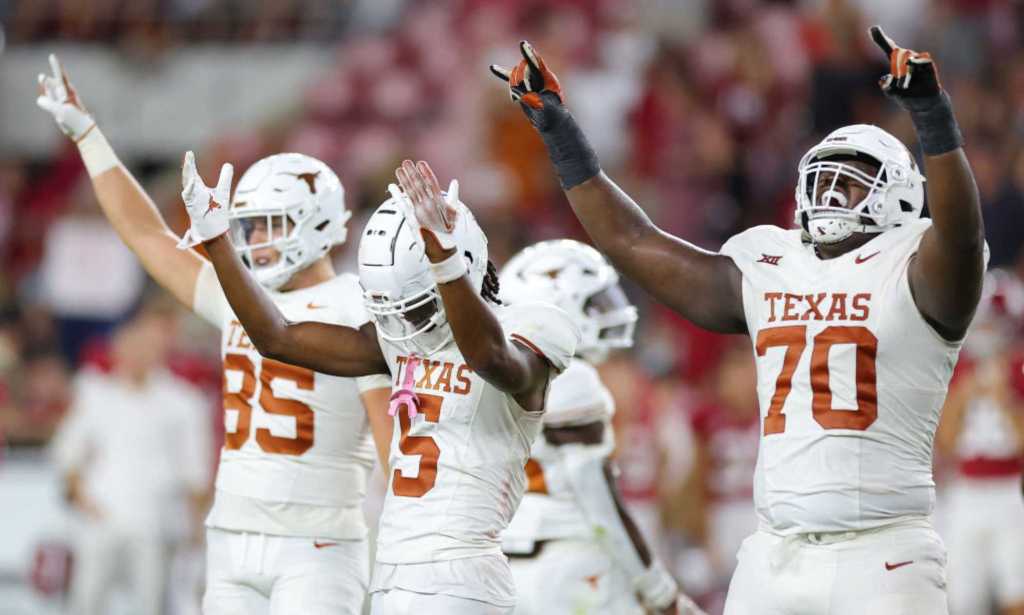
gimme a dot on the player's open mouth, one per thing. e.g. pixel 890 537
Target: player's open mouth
pixel 261 261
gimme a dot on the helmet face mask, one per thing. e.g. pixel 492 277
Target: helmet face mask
pixel 288 211
pixel 399 291
pixel 852 161
pixel 576 278
pixel 265 244
pixel 417 322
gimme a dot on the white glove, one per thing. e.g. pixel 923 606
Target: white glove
pixel 207 207
pixel 656 587
pixel 686 606
pixel 431 209
pixel 58 98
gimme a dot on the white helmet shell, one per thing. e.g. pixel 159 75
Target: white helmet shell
pixel 895 194
pixel 301 202
pixel 398 287
pixel 578 279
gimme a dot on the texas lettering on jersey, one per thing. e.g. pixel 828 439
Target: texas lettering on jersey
pixel 438 376
pixel 817 306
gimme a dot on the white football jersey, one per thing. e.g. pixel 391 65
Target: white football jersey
pixel 297 446
pixel 851 381
pixel 549 509
pixel 457 467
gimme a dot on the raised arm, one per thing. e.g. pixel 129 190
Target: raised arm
pixel 510 366
pixel 130 210
pixel 322 347
pixel 703 286
pixel 946 276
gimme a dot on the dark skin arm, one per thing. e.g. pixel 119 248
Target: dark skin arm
pixel 947 273
pixel 705 287
pixel 322 347
pixel 507 365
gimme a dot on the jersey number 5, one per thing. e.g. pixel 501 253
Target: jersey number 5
pixel 424 446
pixel 794 339
pixel 241 402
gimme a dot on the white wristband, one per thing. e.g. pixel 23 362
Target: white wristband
pixel 451 268
pixel 96 152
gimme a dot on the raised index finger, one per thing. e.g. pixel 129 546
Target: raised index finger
pixel 56 68
pixel 883 41
pixel 531 56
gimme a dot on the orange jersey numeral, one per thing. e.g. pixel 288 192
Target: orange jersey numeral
pixel 241 402
pixel 424 446
pixel 793 338
pixel 535 481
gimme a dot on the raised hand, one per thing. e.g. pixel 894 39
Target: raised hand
pixel 533 85
pixel 912 74
pixel 435 212
pixel 58 98
pixel 913 82
pixel 538 92
pixel 207 207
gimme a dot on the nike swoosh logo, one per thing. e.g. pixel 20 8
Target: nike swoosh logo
pixel 313 306
pixel 321 545
pixel 860 259
pixel 889 566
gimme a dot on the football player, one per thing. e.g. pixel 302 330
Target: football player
pixel 857 317
pixel 286 532
pixel 572 542
pixel 982 429
pixel 470 384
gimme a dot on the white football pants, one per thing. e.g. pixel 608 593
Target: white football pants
pixel 257 574
pixel 572 577
pixel 899 569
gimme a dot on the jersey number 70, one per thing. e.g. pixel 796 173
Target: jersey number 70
pixel 795 340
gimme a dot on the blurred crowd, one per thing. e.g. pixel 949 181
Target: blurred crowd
pixel 699 108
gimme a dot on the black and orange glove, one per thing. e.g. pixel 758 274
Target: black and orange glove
pixel 532 84
pixel 913 83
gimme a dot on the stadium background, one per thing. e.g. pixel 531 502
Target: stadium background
pixel 699 108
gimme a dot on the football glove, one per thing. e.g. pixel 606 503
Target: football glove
pixel 533 85
pixel 540 95
pixel 912 74
pixel 686 606
pixel 58 98
pixel 426 206
pixel 913 83
pixel 207 207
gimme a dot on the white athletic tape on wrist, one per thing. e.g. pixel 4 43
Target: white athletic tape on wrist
pixel 656 587
pixel 96 152
pixel 451 268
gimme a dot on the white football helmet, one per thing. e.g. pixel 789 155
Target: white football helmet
pixel 300 204
pixel 398 287
pixel 895 194
pixel 578 279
